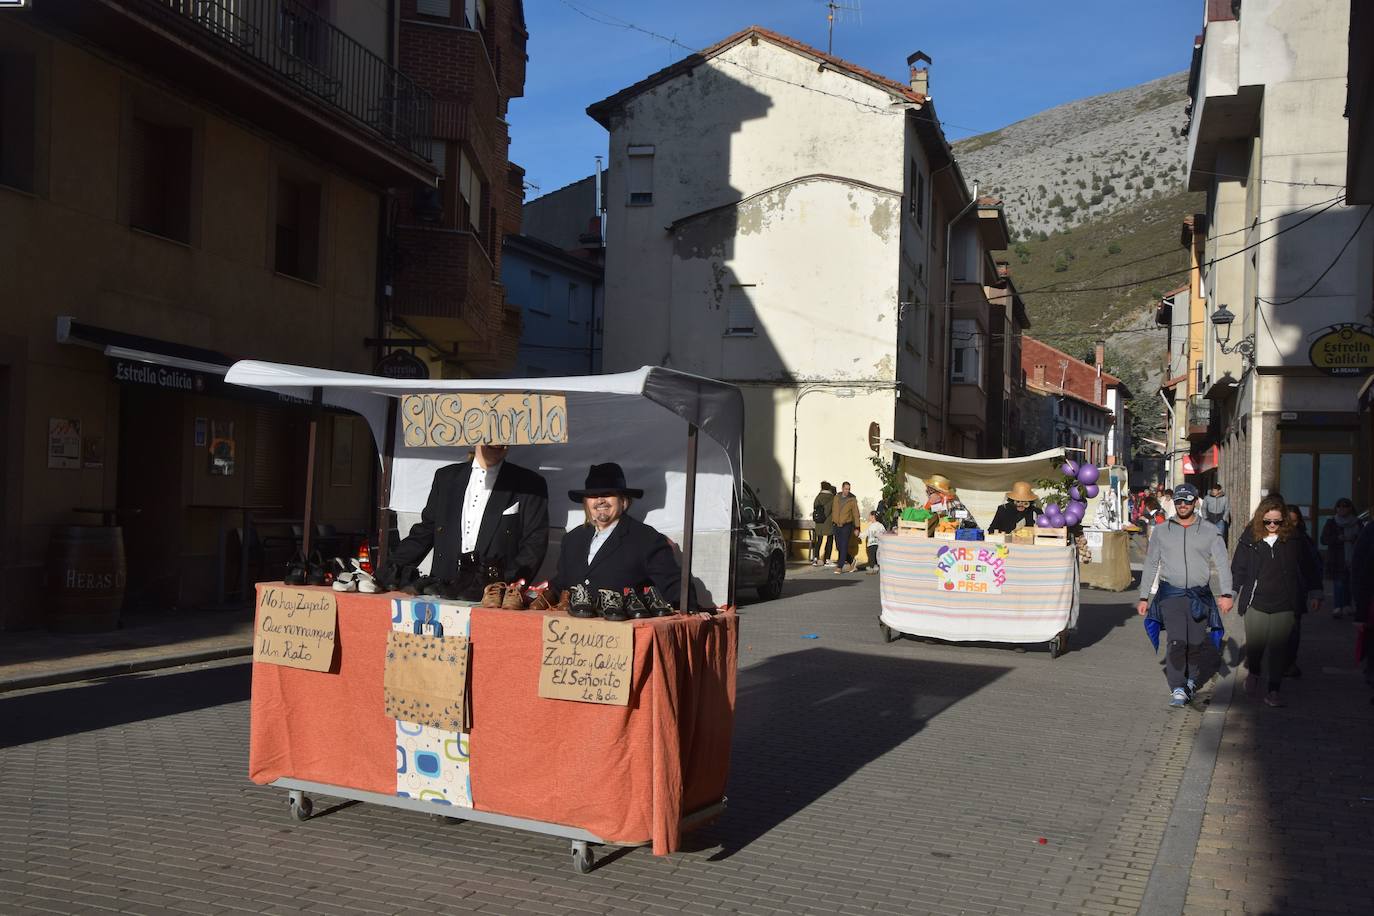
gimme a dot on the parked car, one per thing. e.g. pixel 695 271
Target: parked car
pixel 760 551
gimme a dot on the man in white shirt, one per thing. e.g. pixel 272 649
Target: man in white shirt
pixel 487 512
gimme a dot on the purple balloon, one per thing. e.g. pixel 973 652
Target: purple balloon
pixel 1090 490
pixel 1044 522
pixel 1073 494
pixel 1070 468
pixel 1056 517
pixel 1087 473
pixel 1074 514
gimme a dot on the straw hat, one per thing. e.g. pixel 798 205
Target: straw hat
pixel 940 483
pixel 1021 492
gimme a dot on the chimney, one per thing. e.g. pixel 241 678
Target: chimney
pixel 1099 354
pixel 920 76
pixel 1039 376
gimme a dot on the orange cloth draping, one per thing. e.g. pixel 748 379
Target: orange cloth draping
pixel 625 774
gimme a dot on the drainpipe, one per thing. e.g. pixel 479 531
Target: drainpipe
pixel 949 317
pixel 1169 434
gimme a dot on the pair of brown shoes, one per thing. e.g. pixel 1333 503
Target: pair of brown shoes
pixel 545 600
pixel 508 597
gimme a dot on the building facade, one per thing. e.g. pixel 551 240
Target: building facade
pixel 1069 404
pixel 784 220
pixel 183 185
pixel 560 300
pixel 1284 279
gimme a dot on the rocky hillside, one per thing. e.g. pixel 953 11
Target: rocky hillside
pixel 1083 160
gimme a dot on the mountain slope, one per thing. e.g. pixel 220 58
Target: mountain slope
pixel 1083 160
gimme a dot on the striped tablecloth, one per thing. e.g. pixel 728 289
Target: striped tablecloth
pixel 1039 598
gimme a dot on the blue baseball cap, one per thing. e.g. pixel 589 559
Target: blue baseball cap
pixel 1185 493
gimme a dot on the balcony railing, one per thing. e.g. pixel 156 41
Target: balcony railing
pixel 300 49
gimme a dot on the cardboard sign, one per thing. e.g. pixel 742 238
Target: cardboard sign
pixel 296 627
pixel 436 420
pixel 972 570
pixel 589 661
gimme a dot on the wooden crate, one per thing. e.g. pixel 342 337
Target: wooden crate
pixel 1052 536
pixel 910 529
pixel 996 537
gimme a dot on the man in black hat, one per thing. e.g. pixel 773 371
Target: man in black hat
pixel 482 513
pixel 614 552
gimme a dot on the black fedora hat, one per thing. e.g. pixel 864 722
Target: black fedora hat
pixel 604 479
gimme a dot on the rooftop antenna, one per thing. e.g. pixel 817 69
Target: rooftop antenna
pixel 852 11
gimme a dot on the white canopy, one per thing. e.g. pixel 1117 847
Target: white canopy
pixel 638 419
pixel 982 483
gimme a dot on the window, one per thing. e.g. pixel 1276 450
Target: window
pixel 968 353
pixel 739 310
pixel 439 8
pixel 159 157
pixel 17 121
pixel 639 173
pixel 572 302
pixel 298 228
pixel 539 292
pixel 475 14
pixel 470 188
pixel 918 194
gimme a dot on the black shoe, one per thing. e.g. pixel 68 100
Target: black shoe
pixel 581 602
pixel 655 602
pixel 635 606
pixel 612 605
pixel 420 585
pixel 295 571
pixel 315 572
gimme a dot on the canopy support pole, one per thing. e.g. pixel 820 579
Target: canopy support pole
pixel 384 492
pixel 688 519
pixel 308 524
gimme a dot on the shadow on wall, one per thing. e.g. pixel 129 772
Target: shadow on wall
pixel 810 719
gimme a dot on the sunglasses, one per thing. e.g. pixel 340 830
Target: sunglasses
pixel 1275 522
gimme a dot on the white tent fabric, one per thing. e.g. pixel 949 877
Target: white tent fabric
pixel 982 483
pixel 638 419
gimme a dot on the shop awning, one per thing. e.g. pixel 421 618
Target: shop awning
pixel 982 483
pixel 119 345
pixel 638 419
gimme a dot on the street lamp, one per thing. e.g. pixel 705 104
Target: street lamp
pixel 1222 319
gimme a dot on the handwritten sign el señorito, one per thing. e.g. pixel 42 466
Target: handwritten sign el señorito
pixel 296 628
pixel 470 418
pixel 590 661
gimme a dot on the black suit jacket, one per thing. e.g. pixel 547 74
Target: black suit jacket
pixel 516 543
pixel 635 555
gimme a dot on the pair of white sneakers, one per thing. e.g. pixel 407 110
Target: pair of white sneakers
pixel 356 579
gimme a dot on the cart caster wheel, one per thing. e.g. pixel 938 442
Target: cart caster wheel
pixel 583 858
pixel 301 808
pixel 889 634
pixel 1059 645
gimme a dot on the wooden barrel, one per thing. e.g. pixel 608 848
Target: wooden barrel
pixel 85 577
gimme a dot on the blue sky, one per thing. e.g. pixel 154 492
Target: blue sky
pixel 995 61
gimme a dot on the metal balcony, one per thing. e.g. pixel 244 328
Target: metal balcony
pixel 1199 415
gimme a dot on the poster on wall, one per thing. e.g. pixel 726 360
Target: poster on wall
pixel 222 447
pixel 64 443
pixel 93 451
pixel 972 570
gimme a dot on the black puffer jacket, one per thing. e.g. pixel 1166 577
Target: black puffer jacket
pixel 1295 566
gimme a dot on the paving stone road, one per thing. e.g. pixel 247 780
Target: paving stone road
pixel 866 778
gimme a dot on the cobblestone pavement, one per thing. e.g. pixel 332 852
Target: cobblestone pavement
pixel 867 778
pixel 1289 822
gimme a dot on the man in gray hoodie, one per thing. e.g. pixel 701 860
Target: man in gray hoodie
pixel 1183 551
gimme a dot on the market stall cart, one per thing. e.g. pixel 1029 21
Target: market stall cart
pixel 639 773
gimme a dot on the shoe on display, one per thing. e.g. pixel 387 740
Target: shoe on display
pixel 635 606
pixel 581 602
pixel 315 572
pixel 345 582
pixel 295 570
pixel 514 599
pixel 655 602
pixel 1179 698
pixel 365 581
pixel 612 605
pixel 493 595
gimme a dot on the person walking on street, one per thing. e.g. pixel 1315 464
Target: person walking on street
pixel 824 535
pixel 1166 500
pixel 1216 508
pixel 874 530
pixel 1183 552
pixel 845 516
pixel 1274 577
pixel 1314 557
pixel 1362 592
pixel 1338 537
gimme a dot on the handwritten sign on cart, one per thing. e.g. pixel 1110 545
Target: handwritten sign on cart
pixel 589 661
pixel 972 570
pixel 470 418
pixel 296 627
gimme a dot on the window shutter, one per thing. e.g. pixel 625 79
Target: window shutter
pixel 739 310
pixel 441 8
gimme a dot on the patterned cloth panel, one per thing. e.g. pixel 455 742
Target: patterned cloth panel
pixel 1038 600
pixel 432 764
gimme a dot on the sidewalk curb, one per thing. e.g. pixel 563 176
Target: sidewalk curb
pixel 1167 889
pixel 115 669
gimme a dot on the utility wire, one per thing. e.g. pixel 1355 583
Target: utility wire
pixel 1323 274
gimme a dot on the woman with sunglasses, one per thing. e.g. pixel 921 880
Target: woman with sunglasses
pixel 1274 577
